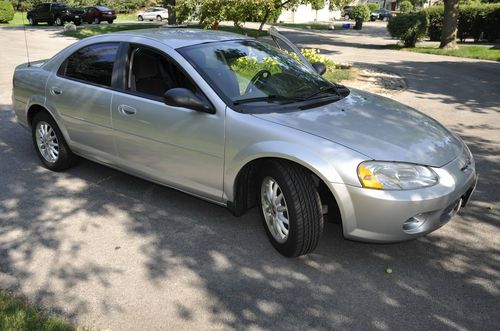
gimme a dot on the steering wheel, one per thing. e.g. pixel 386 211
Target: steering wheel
pixel 256 78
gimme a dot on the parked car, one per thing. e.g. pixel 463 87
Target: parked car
pixel 155 13
pixel 98 14
pixel 347 12
pixel 53 13
pixel 182 107
pixel 381 14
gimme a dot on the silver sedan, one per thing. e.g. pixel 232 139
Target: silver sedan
pixel 243 124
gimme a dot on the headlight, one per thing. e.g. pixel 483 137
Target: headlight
pixel 395 176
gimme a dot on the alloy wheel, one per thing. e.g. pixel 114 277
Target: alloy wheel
pixel 47 142
pixel 275 210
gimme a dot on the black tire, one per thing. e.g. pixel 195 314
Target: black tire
pixel 110 22
pixel 97 21
pixel 50 22
pixel 32 21
pixel 59 21
pixel 304 210
pixel 65 158
pixel 77 23
pixel 159 18
pixel 140 18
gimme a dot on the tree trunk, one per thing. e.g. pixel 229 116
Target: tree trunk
pixel 450 21
pixel 264 20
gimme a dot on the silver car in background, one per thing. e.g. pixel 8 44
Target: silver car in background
pixel 242 124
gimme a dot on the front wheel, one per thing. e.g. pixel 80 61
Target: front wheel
pixel 110 21
pixel 291 208
pixel 140 18
pixel 58 21
pixel 50 144
pixel 97 21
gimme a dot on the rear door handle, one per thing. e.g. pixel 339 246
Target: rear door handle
pixel 126 110
pixel 55 91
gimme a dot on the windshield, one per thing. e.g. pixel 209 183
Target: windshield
pixel 247 71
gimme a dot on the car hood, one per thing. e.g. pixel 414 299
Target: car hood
pixel 377 127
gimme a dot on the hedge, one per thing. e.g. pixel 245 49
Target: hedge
pixel 6 12
pixel 480 21
pixel 408 27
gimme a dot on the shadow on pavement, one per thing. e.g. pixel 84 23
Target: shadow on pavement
pixel 449 279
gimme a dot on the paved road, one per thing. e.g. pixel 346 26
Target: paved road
pixel 113 251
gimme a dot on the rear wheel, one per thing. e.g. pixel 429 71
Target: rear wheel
pixel 97 21
pixel 110 21
pixel 50 144
pixel 58 21
pixel 32 21
pixel 140 18
pixel 159 18
pixel 291 208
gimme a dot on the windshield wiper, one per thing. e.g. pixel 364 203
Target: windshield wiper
pixel 322 90
pixel 268 98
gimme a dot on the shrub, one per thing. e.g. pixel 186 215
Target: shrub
pixel 408 27
pixel 374 6
pixel 473 21
pixel 361 13
pixel 406 6
pixel 435 15
pixel 6 12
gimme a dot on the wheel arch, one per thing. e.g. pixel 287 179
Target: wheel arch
pixel 36 108
pixel 245 188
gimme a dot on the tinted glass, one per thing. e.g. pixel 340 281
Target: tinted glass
pixel 93 64
pixel 153 74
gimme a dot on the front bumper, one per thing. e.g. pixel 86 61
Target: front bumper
pixel 380 216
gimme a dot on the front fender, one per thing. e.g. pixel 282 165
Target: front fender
pixel 249 138
pixel 279 150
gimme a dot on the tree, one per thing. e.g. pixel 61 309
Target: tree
pixel 338 4
pixel 450 22
pixel 406 6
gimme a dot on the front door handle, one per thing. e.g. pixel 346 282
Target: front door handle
pixel 126 110
pixel 55 91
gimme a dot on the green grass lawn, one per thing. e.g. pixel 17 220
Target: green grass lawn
pixel 18 20
pixel 16 314
pixel 482 52
pixel 92 30
pixel 123 18
pixel 313 26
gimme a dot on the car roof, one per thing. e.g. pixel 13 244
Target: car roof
pixel 182 37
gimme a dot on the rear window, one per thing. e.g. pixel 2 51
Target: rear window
pixel 92 64
pixel 102 8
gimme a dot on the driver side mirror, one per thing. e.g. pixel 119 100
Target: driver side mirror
pixel 319 67
pixel 182 97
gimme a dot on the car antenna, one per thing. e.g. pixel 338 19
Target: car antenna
pixel 26 40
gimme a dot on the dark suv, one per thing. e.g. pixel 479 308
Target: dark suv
pixel 347 12
pixel 54 13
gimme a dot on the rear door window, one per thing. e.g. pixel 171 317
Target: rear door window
pixel 92 64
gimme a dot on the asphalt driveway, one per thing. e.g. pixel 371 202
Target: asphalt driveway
pixel 109 250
